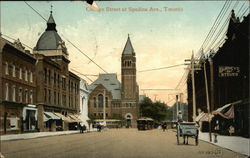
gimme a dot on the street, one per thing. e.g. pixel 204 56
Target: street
pixel 115 143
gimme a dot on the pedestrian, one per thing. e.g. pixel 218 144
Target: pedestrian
pixel 83 128
pixel 164 126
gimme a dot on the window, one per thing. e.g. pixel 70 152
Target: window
pixel 49 76
pixel 95 102
pixel 100 100
pixel 26 75
pixel 13 93
pixel 14 71
pixel 45 94
pixel 6 68
pixel 20 98
pixel 31 77
pixel 6 91
pixel 58 98
pixel 63 99
pixel 31 97
pixel 20 73
pixel 69 101
pixel 55 97
pixel 49 97
pixel 26 96
pixel 45 76
pixel 55 79
pixel 106 101
pixel 58 80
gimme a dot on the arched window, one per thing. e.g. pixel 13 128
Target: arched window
pixel 95 102
pixel 26 75
pixel 14 71
pixel 20 95
pixel 6 91
pixel 31 97
pixel 6 68
pixel 106 102
pixel 100 100
pixel 20 73
pixel 14 93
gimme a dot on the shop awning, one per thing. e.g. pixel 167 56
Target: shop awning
pixel 223 112
pixel 50 116
pixel 64 118
pixel 75 118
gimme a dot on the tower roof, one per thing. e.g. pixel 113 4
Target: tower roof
pixel 50 39
pixel 128 49
pixel 110 82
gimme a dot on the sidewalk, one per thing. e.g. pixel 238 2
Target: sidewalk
pixel 36 135
pixel 234 143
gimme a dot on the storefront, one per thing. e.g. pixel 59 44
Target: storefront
pixel 10 114
pixel 52 121
pixel 29 118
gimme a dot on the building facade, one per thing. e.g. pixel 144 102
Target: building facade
pixel 121 98
pixel 84 97
pixel 17 88
pixel 227 77
pixel 57 87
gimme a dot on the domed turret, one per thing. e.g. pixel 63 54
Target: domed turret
pixel 49 40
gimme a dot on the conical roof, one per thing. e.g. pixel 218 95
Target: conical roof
pixel 128 49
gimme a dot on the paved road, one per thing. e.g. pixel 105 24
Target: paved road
pixel 117 143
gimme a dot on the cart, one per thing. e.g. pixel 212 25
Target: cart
pixel 187 129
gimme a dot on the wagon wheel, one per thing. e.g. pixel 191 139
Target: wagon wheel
pixel 178 135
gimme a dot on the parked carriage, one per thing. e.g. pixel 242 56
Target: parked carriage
pixel 185 130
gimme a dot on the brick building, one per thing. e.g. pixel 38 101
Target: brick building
pixel 57 87
pixel 17 88
pixel 121 98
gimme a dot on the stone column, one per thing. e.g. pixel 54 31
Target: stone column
pixel 40 111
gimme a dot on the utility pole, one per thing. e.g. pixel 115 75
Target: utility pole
pixel 177 108
pixel 193 68
pixel 208 103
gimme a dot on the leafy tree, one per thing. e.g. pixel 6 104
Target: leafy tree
pixel 156 110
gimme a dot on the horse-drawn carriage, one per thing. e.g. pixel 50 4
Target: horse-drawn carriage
pixel 185 130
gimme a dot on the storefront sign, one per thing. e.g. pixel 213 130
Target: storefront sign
pixel 229 71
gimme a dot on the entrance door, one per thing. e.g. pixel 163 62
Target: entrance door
pixel 128 123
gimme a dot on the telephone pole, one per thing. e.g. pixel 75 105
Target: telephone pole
pixel 194 66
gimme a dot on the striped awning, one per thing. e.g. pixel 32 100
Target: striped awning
pixel 64 118
pixel 51 116
pixel 74 118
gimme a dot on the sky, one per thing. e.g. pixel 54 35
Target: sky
pixel 160 38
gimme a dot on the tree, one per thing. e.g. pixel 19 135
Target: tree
pixel 156 110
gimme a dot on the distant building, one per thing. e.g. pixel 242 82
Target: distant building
pixel 84 97
pixel 57 87
pixel 121 98
pixel 18 112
